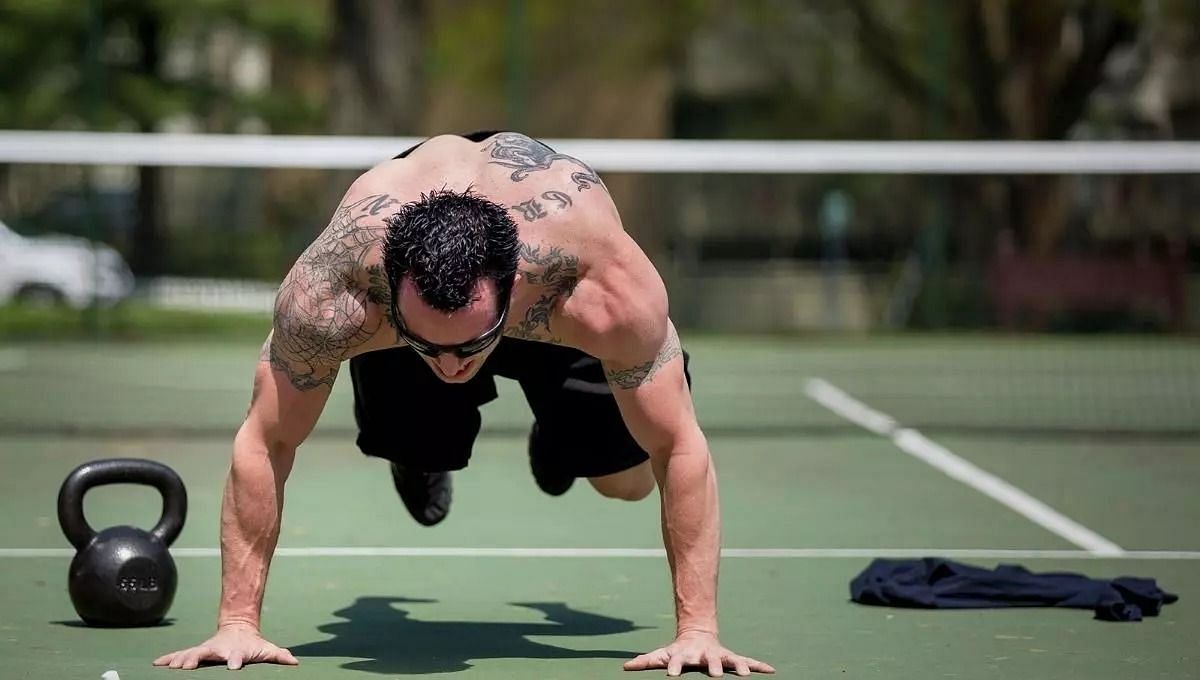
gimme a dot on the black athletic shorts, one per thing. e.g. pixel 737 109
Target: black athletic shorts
pixel 406 414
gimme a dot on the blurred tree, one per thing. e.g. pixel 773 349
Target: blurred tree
pixel 160 63
pixel 376 79
pixel 1013 69
pixel 378 52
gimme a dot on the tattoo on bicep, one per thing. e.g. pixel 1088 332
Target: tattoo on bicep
pixel 525 156
pixel 303 376
pixel 635 376
pixel 556 273
pixel 533 209
pixel 320 310
pixel 315 330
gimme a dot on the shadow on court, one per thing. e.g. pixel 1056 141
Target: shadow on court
pixel 390 641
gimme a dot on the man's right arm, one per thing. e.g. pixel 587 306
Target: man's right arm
pixel 320 320
pixel 283 411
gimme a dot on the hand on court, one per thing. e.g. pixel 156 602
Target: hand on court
pixel 694 648
pixel 236 645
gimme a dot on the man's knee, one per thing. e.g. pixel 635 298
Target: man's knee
pixel 633 484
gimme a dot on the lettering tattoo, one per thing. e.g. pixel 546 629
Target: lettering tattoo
pixel 533 210
pixel 636 376
pixel 525 156
pixel 556 273
pixel 321 310
pixel 563 200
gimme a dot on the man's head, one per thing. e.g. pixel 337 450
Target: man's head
pixel 450 260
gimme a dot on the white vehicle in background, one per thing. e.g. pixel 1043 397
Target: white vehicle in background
pixel 51 270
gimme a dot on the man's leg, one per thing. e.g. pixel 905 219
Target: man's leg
pixel 633 484
pixel 423 426
pixel 579 431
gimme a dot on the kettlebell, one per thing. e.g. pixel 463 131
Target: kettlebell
pixel 122 576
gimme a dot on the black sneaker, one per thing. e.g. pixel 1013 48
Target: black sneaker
pixel 425 494
pixel 548 479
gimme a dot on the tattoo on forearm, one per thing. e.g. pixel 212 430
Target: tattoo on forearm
pixel 525 156
pixel 533 209
pixel 556 273
pixel 320 310
pixel 630 378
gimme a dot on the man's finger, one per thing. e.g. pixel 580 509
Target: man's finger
pixel 285 656
pixel 235 661
pixel 716 667
pixel 759 667
pixel 164 659
pixel 655 659
pixel 738 663
pixel 638 663
pixel 192 660
pixel 675 665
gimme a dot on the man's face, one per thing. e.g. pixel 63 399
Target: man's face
pixel 442 328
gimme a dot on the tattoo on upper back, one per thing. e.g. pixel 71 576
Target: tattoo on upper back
pixel 533 209
pixel 525 156
pixel 635 376
pixel 557 276
pixel 321 310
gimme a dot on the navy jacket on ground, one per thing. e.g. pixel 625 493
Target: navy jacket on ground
pixel 942 584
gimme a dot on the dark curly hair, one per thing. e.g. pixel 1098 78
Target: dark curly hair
pixel 446 242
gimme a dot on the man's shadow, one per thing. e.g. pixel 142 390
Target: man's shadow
pixel 389 641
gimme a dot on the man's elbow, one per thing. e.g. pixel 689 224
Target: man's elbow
pixel 687 445
pixel 255 444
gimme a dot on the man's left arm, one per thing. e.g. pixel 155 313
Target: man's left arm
pixel 648 380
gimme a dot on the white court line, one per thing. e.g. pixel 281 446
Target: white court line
pixel 849 408
pixel 768 553
pixel 921 447
pixel 13 359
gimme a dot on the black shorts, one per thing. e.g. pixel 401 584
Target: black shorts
pixel 406 414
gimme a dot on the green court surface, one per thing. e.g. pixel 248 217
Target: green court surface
pixel 518 584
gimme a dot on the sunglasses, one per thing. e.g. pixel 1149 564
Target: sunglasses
pixel 462 350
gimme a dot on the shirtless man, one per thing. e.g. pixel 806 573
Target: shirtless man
pixel 462 259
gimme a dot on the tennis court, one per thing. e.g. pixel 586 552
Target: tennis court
pixel 819 473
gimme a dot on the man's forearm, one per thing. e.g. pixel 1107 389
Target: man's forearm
pixel 250 519
pixel 692 535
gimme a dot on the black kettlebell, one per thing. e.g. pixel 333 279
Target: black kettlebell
pixel 122 576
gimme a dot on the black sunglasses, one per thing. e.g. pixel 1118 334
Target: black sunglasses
pixel 461 350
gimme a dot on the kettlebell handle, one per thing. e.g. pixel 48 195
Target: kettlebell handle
pixel 121 471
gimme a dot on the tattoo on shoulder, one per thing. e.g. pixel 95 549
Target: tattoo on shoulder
pixel 380 292
pixel 635 376
pixel 534 209
pixel 557 273
pixel 525 156
pixel 320 309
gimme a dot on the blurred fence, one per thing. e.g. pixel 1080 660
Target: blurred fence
pixel 760 237
pixel 753 236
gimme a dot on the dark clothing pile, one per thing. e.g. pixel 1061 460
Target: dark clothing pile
pixel 935 583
